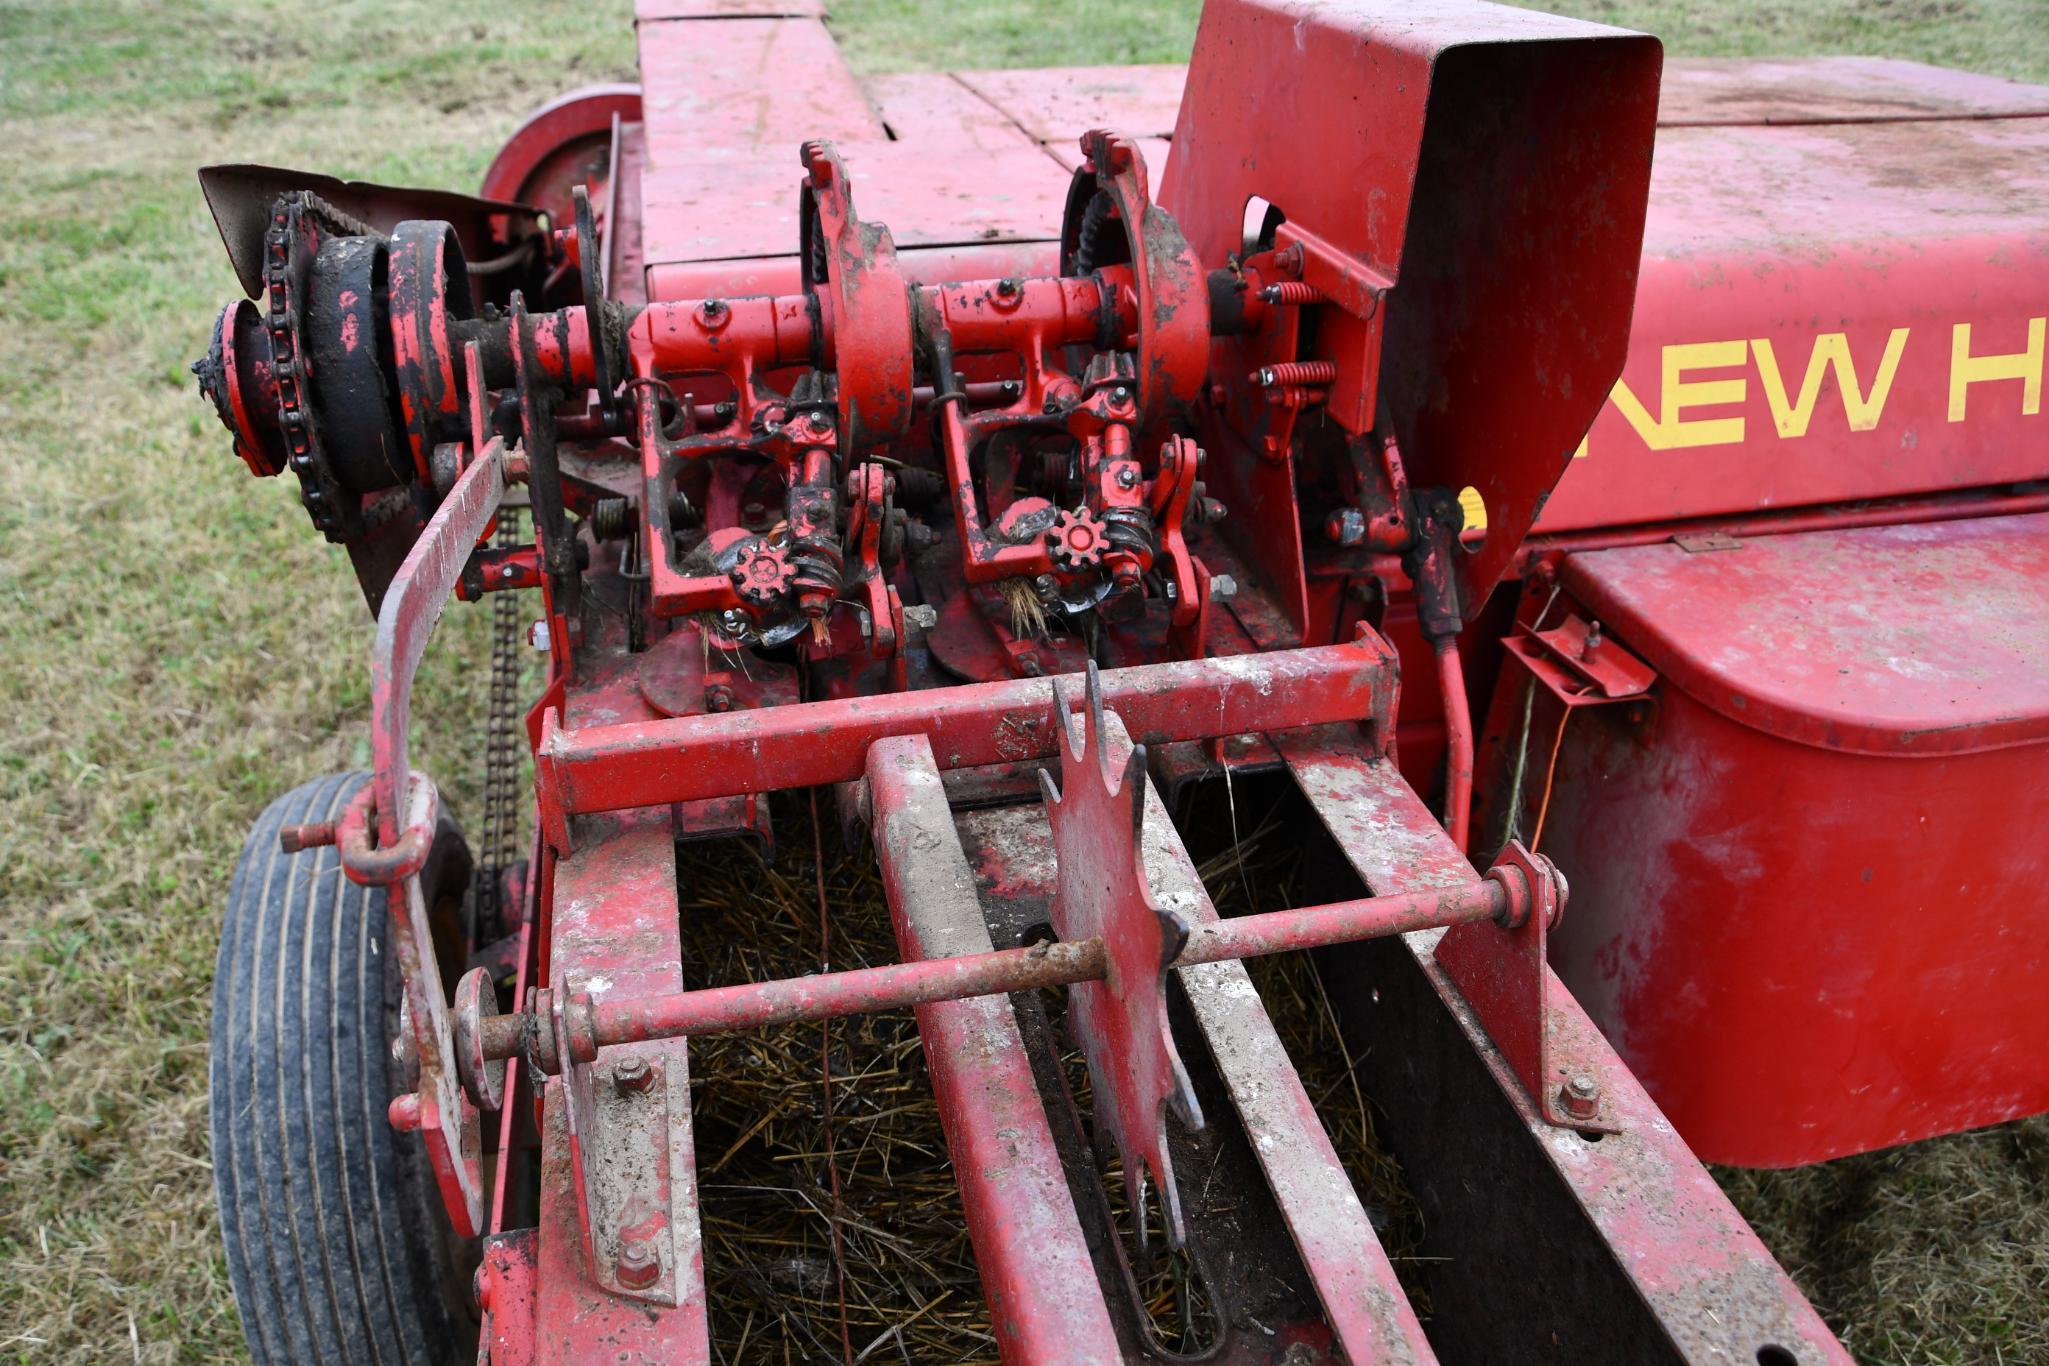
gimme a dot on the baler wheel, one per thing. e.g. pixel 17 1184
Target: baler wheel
pixel 335 1237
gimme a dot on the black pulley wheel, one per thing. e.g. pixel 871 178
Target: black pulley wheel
pixel 337 1245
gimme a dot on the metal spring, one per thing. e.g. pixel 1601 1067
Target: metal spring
pixel 1295 372
pixel 1291 293
pixel 611 519
pixel 1129 529
pixel 816 565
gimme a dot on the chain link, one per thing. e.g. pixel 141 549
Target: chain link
pixel 501 747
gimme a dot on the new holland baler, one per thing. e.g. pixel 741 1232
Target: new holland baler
pixel 1603 499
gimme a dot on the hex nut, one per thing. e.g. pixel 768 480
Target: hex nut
pixel 639 1265
pixel 631 1076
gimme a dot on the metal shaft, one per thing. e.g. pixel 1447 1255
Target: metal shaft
pixel 753 1005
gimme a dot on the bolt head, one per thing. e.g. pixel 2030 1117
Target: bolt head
pixel 1119 396
pixel 921 617
pixel 1127 478
pixel 537 634
pixel 631 1076
pixel 1346 526
pixel 1581 1097
pixel 1222 586
pixel 639 1265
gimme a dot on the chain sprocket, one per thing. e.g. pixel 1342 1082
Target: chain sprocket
pixel 300 223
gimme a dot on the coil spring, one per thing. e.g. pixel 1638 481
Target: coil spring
pixel 1291 293
pixel 815 556
pixel 610 518
pixel 1289 372
pixel 1129 529
pixel 815 567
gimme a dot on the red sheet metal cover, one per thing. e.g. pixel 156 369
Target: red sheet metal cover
pixel 1903 640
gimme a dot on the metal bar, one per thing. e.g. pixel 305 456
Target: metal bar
pixel 620 1258
pixel 1045 1303
pixel 412 606
pixel 654 763
pixel 825 995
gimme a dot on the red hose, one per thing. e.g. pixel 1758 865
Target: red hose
pixel 1458 742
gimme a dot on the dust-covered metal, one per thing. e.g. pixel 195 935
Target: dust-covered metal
pixel 1238 392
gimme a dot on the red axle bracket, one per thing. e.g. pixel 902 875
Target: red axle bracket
pixel 1499 967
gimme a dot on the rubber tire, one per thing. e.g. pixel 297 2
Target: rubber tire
pixel 337 1245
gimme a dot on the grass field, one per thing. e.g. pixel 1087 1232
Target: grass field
pixel 176 646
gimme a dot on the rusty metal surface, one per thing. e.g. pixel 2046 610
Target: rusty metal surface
pixel 1256 1100
pixel 1105 359
pixel 1695 1284
pixel 1239 1245
pixel 505 1296
pixel 612 767
pixel 1457 391
pixel 1097 813
pixel 240 195
pixel 1044 1302
pixel 566 142
pixel 592 1024
pixel 405 622
pixel 618 1170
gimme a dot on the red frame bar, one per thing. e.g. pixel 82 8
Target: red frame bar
pixel 1045 1303
pixel 654 763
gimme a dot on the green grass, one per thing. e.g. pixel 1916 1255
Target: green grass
pixel 176 646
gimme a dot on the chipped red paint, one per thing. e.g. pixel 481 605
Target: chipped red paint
pixel 1251 429
pixel 615 1167
pixel 1100 893
pixel 609 768
pixel 1680 1242
pixel 1044 1303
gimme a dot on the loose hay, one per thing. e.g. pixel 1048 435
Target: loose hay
pixel 912 1293
pixel 763 1138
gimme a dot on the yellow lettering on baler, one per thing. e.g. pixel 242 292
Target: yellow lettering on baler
pixel 1671 429
pixel 1830 349
pixel 1966 369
